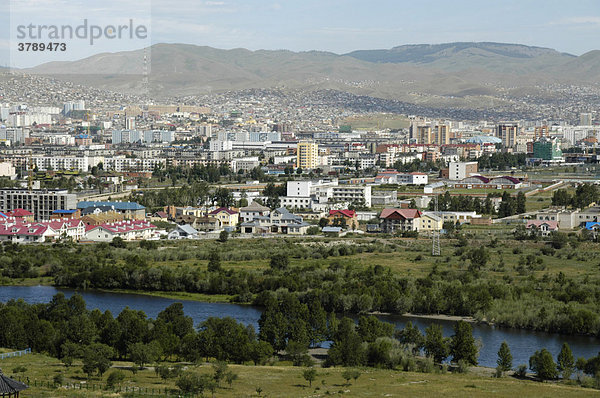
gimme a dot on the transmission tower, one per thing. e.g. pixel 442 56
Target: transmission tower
pixel 436 249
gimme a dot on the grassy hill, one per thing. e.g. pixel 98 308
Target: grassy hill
pixel 460 70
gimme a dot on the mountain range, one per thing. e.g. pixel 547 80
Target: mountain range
pixel 453 73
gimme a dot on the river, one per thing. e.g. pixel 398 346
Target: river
pixel 522 343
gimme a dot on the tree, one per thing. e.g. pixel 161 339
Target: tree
pixel 561 197
pixel 565 361
pixel 261 352
pixel 411 335
pixel 223 197
pixel 370 328
pixel 520 203
pixel 462 344
pixel 133 326
pixel 223 236
pixel 118 242
pixel 225 339
pixel 69 351
pixel 542 363
pixel 347 375
pixel 214 261
pixel 323 222
pixel 309 375
pixel 436 346
pixel 479 257
pixel 504 358
pixel 96 357
pixel 313 230
pixel 347 348
pixel 592 365
pixel 298 353
pixel 220 370
pixel 279 262
pixel 114 377
pixel 141 354
pixel 230 377
pixel 176 320
pixel 191 383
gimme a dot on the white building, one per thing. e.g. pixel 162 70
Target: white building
pixel 79 163
pixel 306 194
pixel 126 230
pixel 352 194
pixel 162 136
pixel 122 164
pixel 14 135
pixel 8 170
pixel 61 139
pixel 126 136
pixel 461 170
pixel 220 146
pixel 394 177
pixel 246 164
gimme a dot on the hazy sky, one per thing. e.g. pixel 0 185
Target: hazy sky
pixel 329 25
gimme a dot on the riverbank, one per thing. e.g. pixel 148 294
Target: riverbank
pixel 200 297
pixel 442 317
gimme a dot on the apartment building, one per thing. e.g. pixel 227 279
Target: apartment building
pixel 41 202
pixel 307 155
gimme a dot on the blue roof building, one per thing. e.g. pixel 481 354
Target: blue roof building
pixel 130 210
pixel 592 225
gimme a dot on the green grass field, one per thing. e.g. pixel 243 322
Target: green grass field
pixel 284 381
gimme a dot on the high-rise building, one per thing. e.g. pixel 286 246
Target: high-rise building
pixel 151 136
pixel 307 155
pixel 541 131
pixel 424 135
pixel 204 130
pixel 547 149
pixel 14 135
pixel 73 106
pixel 442 134
pixel 130 123
pixel 126 136
pixel 586 119
pixel 507 132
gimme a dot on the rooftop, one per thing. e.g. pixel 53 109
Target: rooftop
pixel 116 205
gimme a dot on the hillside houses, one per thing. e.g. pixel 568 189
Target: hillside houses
pixel 345 218
pixel 20 231
pixel 569 219
pixel 253 210
pixel 394 220
pixel 227 217
pixel 399 220
pixel 126 230
pixel 279 221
